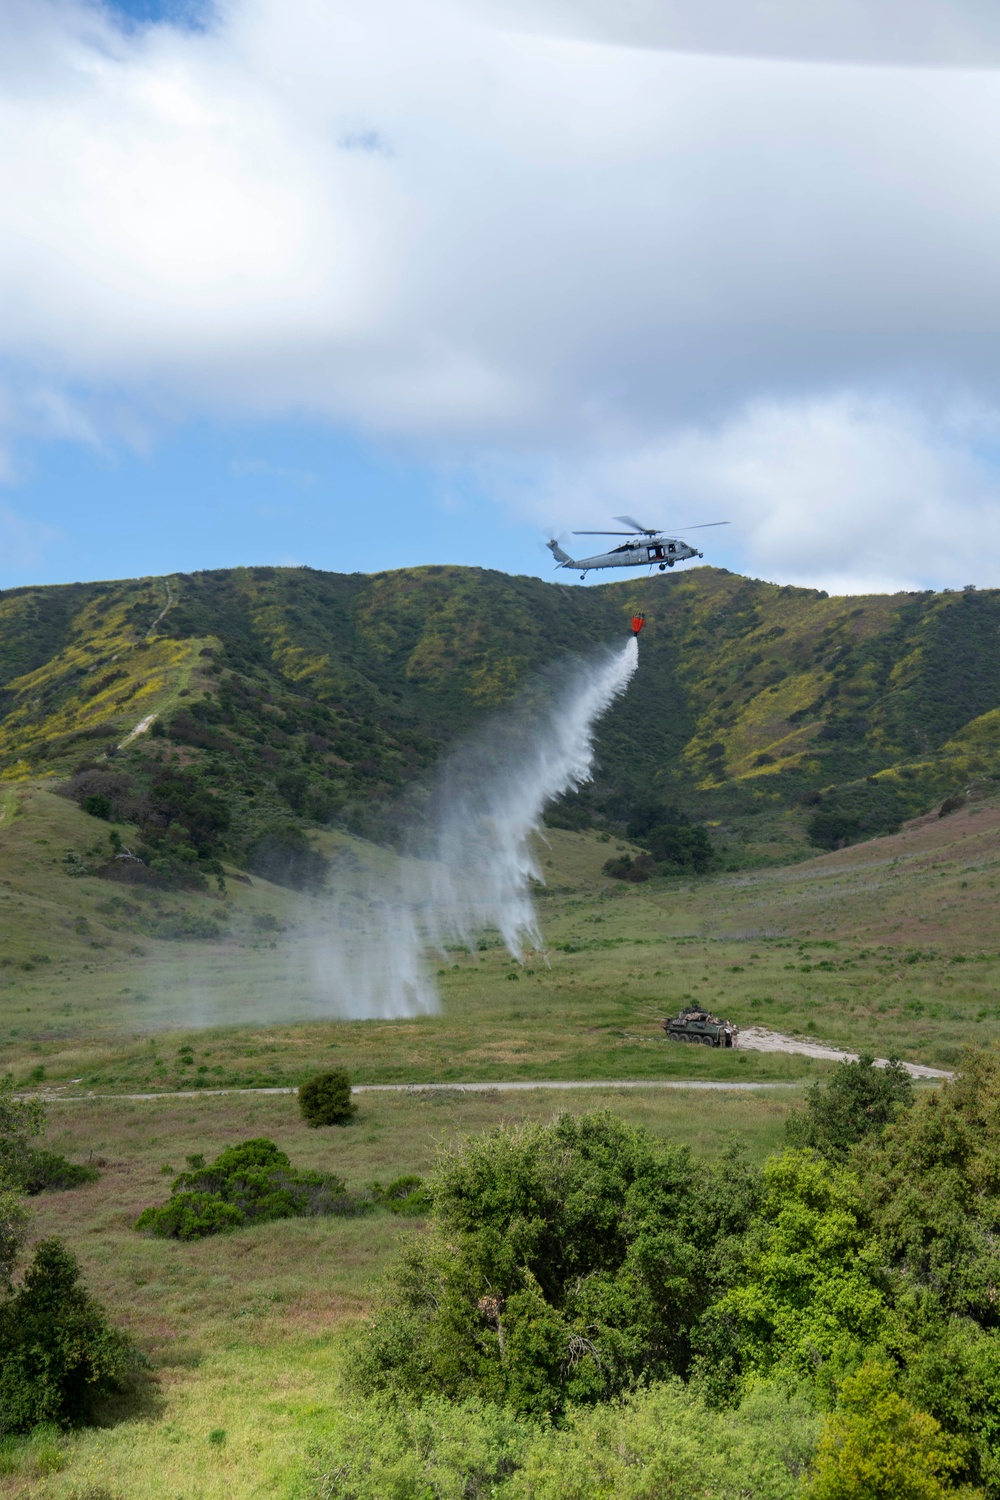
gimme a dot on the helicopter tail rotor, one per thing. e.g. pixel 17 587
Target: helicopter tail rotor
pixel 561 557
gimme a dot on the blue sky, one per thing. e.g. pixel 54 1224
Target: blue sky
pixel 429 280
pixel 214 495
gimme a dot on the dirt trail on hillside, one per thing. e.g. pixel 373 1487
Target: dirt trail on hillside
pixel 759 1039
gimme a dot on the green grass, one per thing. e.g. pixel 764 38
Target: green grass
pixel 891 945
pixel 243 1331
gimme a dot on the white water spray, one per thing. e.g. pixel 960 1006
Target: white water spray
pixel 473 866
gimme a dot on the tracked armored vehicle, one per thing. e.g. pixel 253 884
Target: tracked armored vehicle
pixel 696 1025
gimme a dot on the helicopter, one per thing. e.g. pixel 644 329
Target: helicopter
pixel 647 546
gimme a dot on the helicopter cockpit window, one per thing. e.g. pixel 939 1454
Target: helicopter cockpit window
pixel 671 547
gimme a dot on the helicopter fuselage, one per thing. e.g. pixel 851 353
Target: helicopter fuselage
pixel 656 551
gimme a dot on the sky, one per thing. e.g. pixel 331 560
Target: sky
pixel 364 286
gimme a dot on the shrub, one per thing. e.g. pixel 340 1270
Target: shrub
pixel 285 856
pixel 21 1120
pixel 565 1263
pixel 326 1099
pixel 50 1172
pixel 663 1441
pixel 97 805
pixel 859 1100
pixel 406 1195
pixel 832 830
pixel 58 1352
pixel 876 1446
pixel 251 1183
pixel 23 1166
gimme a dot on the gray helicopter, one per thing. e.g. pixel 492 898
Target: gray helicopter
pixel 647 547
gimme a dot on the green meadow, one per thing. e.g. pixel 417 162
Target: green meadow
pixel 889 945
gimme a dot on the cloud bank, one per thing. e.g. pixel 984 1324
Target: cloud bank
pixel 711 254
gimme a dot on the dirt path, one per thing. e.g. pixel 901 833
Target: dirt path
pixel 54 1097
pixel 140 728
pixel 759 1039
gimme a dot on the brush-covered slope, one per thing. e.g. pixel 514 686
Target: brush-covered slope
pixel 292 693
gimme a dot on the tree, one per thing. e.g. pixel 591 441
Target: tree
pixel 565 1263
pixel 284 855
pixel 931 1186
pixel 21 1121
pixel 876 1446
pixel 859 1100
pixel 326 1099
pixel 57 1349
pixel 807 1292
pixel 832 830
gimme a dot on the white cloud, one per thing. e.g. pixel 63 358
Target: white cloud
pixel 957 33
pixel 845 493
pixel 541 243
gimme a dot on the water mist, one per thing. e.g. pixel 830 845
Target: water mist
pixel 470 866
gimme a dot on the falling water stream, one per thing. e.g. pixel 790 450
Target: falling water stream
pixel 471 865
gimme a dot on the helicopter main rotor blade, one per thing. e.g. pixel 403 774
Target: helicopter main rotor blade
pixel 704 526
pixel 631 521
pixel 604 533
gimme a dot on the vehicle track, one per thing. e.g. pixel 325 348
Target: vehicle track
pixel 53 1096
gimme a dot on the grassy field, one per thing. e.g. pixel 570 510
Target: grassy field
pixel 243 1330
pixel 891 944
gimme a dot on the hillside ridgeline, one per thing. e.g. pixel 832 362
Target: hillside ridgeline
pixel 275 699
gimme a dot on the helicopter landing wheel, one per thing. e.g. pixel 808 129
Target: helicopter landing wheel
pixel 662 566
pixel 582 577
pixel 670 562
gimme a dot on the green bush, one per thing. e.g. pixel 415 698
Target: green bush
pixel 58 1352
pixel 49 1172
pixel 284 855
pixel 565 1263
pixel 832 830
pixel 859 1100
pixel 252 1183
pixel 405 1195
pixel 662 1441
pixel 25 1167
pixel 876 1446
pixel 932 1193
pixel 326 1099
pixel 807 1293
pixel 97 805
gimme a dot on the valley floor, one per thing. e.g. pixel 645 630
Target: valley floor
pixel 890 946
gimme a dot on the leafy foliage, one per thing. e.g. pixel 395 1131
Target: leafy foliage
pixel 299 696
pixel 808 1294
pixel 565 1262
pixel 859 1100
pixel 283 854
pixel 876 1446
pixel 50 1172
pixel 23 1166
pixel 58 1352
pixel 252 1183
pixel 325 1099
pixel 933 1185
pixel 660 1441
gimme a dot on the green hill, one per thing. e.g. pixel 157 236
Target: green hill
pixel 296 698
